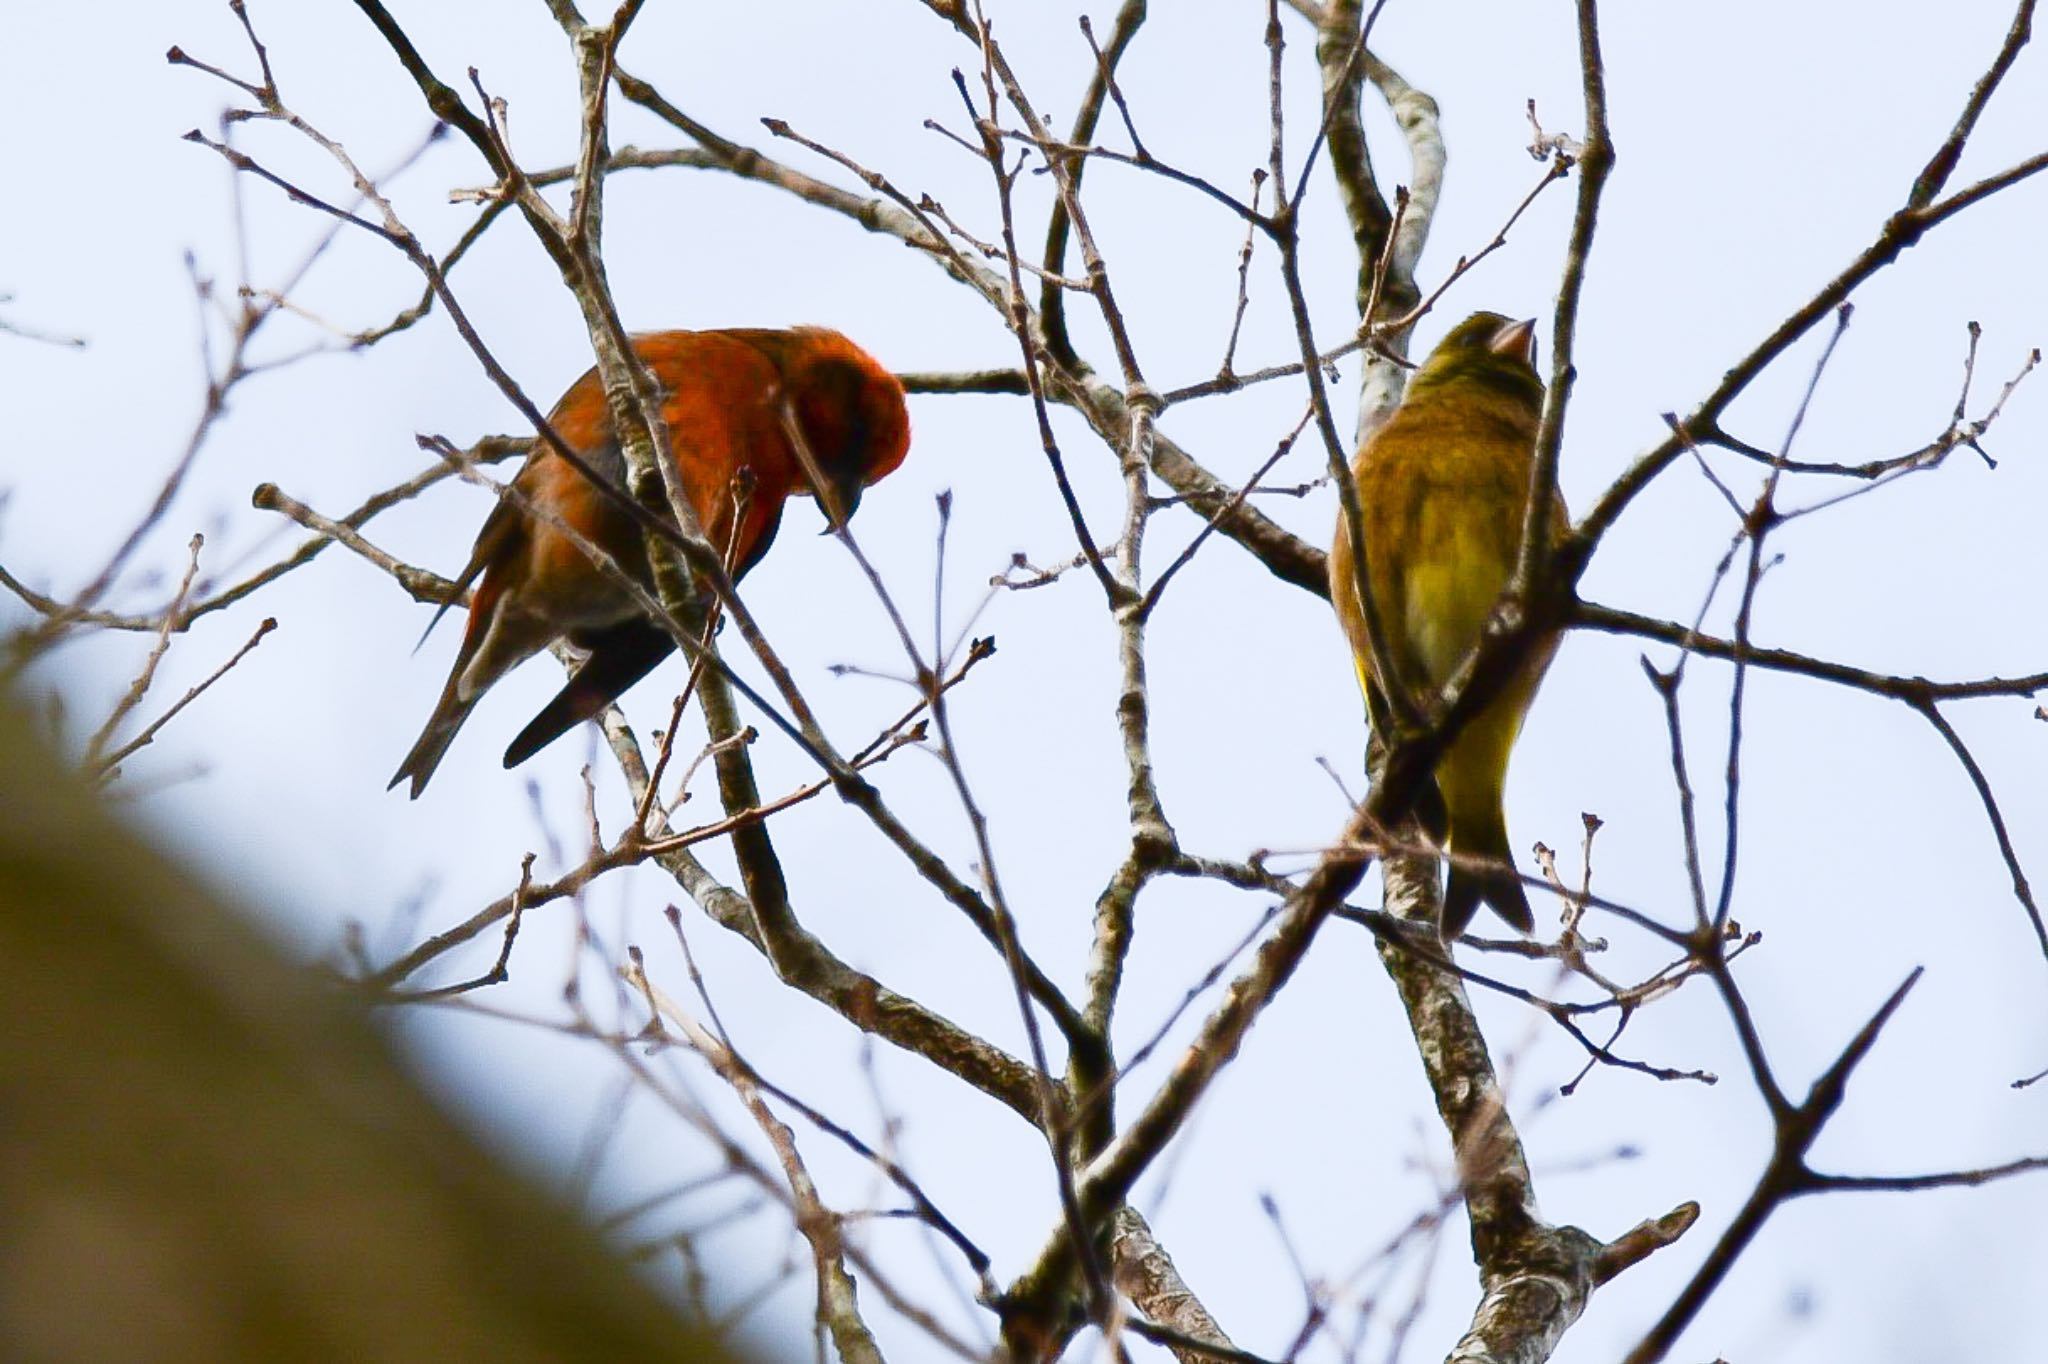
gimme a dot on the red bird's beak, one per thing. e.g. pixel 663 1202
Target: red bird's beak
pixel 845 491
pixel 1518 340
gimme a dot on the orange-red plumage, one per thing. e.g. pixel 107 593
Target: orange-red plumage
pixel 725 398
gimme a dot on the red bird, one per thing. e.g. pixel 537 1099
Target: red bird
pixel 725 394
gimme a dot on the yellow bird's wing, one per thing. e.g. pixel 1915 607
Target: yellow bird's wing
pixel 1444 499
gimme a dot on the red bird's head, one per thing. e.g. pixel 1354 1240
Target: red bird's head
pixel 847 408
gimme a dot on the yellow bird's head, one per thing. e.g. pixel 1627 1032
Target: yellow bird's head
pixel 1484 352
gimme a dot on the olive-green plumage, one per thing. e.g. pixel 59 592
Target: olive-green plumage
pixel 1442 487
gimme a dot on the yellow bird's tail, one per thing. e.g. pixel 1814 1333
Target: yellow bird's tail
pixel 1496 883
pixel 1472 775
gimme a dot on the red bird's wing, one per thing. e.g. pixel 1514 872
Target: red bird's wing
pixel 718 411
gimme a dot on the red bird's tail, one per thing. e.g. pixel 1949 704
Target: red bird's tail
pixel 619 657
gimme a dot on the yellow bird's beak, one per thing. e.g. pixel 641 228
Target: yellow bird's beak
pixel 1517 340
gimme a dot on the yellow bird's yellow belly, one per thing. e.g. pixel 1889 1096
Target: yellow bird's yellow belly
pixel 1457 566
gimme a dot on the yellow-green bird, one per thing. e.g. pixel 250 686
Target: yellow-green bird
pixel 1442 487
